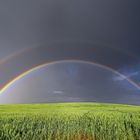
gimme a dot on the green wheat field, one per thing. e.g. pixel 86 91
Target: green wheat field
pixel 69 121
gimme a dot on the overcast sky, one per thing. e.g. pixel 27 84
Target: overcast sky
pixel 106 32
pixel 32 22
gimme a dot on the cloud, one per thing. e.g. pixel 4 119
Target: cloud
pixel 58 92
pixel 121 78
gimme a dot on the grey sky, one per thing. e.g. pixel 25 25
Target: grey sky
pixel 111 29
pixel 31 22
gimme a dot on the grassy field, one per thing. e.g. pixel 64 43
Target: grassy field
pixel 69 121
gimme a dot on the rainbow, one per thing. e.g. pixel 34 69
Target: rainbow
pixel 17 53
pixel 14 55
pixel 26 73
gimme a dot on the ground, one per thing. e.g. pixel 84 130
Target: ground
pixel 70 121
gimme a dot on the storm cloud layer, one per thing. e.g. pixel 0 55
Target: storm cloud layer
pixel 33 22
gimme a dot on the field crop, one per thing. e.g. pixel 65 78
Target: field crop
pixel 69 121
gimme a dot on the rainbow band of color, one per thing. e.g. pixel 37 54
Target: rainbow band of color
pixel 54 62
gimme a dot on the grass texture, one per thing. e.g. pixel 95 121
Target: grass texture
pixel 69 121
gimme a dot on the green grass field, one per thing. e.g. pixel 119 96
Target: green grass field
pixel 70 121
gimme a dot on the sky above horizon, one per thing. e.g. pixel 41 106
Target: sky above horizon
pixel 70 81
pixel 33 32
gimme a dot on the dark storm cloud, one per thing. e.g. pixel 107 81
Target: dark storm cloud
pixel 30 22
